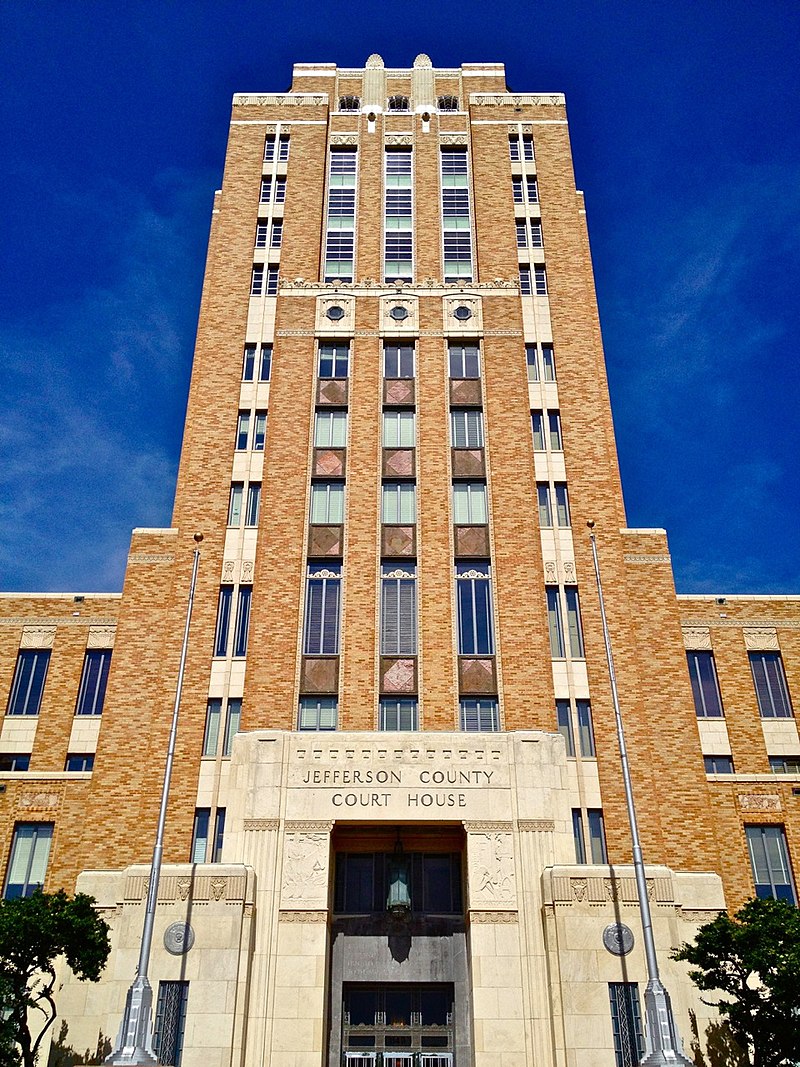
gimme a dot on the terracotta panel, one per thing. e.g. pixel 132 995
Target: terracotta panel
pixel 399 392
pixel 468 463
pixel 477 676
pixel 332 392
pixel 471 541
pixel 399 462
pixel 329 462
pixel 398 540
pixel 320 674
pixel 325 541
pixel 465 392
pixel 398 675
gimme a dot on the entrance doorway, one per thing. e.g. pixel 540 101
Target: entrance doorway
pixel 404 1025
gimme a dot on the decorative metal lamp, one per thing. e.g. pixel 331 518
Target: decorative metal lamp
pixel 398 900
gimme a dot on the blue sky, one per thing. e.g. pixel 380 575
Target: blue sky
pixel 113 120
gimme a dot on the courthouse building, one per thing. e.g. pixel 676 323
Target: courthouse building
pixel 396 833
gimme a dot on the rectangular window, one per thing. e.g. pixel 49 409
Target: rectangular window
pixel 554 430
pixel 398 503
pixel 280 189
pixel 784 764
pixel 259 431
pixel 586 729
pixel 597 836
pixel 525 282
pixel 769 859
pixel 562 504
pixel 265 366
pixel 83 761
pixel 30 851
pixel 474 598
pixel 532 361
pixel 399 610
pixel 330 429
pixel 262 233
pixel 340 232
pixel 232 722
pixel 200 832
pixel 516 186
pixel 14 761
pixel 527 148
pixel 513 149
pixel 283 148
pixel 574 628
pixel 718 764
pixel 223 620
pixel 626 1023
pixel 577 835
pixel 272 281
pixel 323 584
pixel 536 234
pixel 257 280
pixel 317 713
pixel 770 683
pixel 266 191
pixel 539 280
pixel 398 221
pixel 399 429
pixel 469 504
pixel 554 624
pixel 170 1022
pixel 94 679
pixel 466 427
pixel 465 361
pixel 235 504
pixel 564 717
pixel 242 620
pixel 219 836
pixel 242 431
pixel 334 360
pixel 327 503
pixel 27 687
pixel 253 504
pixel 276 236
pixel 211 735
pixel 457 243
pixel 532 189
pixel 248 363
pixel 537 427
pixel 269 148
pixel 705 688
pixel 480 716
pixel 548 363
pixel 398 714
pixel 522 234
pixel 398 361
pixel 543 501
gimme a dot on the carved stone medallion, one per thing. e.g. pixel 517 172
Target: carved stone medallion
pixel 178 939
pixel 618 939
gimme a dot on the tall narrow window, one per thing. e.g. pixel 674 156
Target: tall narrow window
pixel 522 234
pixel 398 503
pixel 280 189
pixel 469 504
pixel 769 859
pixel 92 691
pixel 516 187
pixel 465 361
pixel 525 282
pixel 235 504
pixel 527 148
pixel 399 429
pixel 539 279
pixel 334 360
pixel 262 233
pixel 456 215
pixel 577 835
pixel 200 832
pixel 224 606
pixel 479 716
pixel 211 735
pixel 327 503
pixel 513 149
pixel 543 500
pixel 586 729
pixel 398 361
pixel 548 363
pixel 242 620
pixel 242 431
pixel 536 234
pixel 597 836
pixel 554 624
pixel 532 189
pixel 232 722
pixel 562 504
pixel 399 227
pixel 537 428
pixel 317 713
pixel 170 1021
pixel 283 148
pixel 276 236
pixel 330 429
pixel 27 686
pixel 398 714
pixel 474 596
pixel 248 363
pixel 626 1023
pixel 30 851
pixel 272 281
pixel 259 431
pixel 554 430
pixel 265 364
pixel 219 836
pixel 399 610
pixel 257 280
pixel 564 716
pixel 532 361
pixel 770 682
pixel 269 148
pixel 705 687
pixel 341 221
pixel 574 628
pixel 467 428
pixel 321 636
pixel 253 504
pixel 266 191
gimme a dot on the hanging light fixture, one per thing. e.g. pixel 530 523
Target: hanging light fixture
pixel 398 900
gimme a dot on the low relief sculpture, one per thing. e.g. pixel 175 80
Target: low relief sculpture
pixel 493 866
pixel 305 869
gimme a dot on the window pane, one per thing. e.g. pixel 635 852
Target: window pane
pixel 554 425
pixel 597 836
pixel 202 817
pixel 398 361
pixel 223 619
pixel 265 366
pixel 705 689
pixel 317 713
pixel 532 361
pixel 564 716
pixel 464 361
pixel 554 623
pixel 480 715
pixel 626 1023
pixel 242 431
pixel 577 835
pixel 543 498
pixel 399 714
pixel 213 716
pixel 398 611
pixel 242 620
pixel 248 364
pixel 574 622
pixel 585 728
pixel 234 718
pixel 27 686
pixel 330 429
pixel 30 850
pixel 92 692
pixel 322 611
pixel 398 503
pixel 537 426
pixel 473 592
pixel 235 504
pixel 562 504
pixel 769 858
pixel 327 503
pixel 398 429
pixel 466 428
pixel 253 504
pixel 469 504
pixel 548 362
pixel 770 682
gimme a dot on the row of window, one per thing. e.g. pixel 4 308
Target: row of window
pixel 18 761
pixel 269 235
pixel 397 103
pixel 777 764
pixel 30 675
pixel 272 191
pixel 769 679
pixel 264 280
pixel 399 714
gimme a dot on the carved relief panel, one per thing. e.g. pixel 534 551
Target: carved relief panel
pixel 306 862
pixel 492 870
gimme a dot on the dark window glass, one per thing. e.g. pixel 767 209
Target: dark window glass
pixel 223 619
pixel 398 361
pixel 92 692
pixel 770 683
pixel 170 1022
pixel 626 1023
pixel 564 716
pixel 361 882
pixel 705 688
pixel 718 764
pixel 769 859
pixel 30 851
pixel 474 596
pixel 322 611
pixel 242 620
pixel 82 762
pixel 28 684
pixel 14 761
pixel 577 835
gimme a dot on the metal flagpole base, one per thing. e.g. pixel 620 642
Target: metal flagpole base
pixel 663 1046
pixel 134 1045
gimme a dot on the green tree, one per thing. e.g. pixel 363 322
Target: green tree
pixel 753 961
pixel 34 932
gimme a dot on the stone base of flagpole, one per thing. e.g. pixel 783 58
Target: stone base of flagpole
pixel 663 1046
pixel 134 1046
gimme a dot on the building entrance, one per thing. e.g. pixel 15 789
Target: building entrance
pixel 404 1025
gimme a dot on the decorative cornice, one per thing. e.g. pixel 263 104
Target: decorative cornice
pixel 279 99
pixel 54 620
pixel 302 916
pixel 493 917
pixel 628 558
pixel 517 99
pixel 498 826
pixel 308 827
pixel 151 557
pixel 261 824
pixel 743 624
pixel 536 825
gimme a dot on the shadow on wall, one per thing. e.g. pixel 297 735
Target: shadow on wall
pixel 722 1050
pixel 63 1055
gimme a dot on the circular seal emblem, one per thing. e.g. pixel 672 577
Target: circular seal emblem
pixel 178 939
pixel 618 938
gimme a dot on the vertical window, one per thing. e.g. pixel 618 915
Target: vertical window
pixel 705 687
pixel 330 429
pixel 537 427
pixel 474 597
pixel 272 281
pixel 28 684
pixel 398 229
pixel 223 620
pixel 334 360
pixel 398 361
pixel 532 361
pixel 242 620
pixel 265 365
pixel 322 610
pixel 219 836
pixel 398 503
pixel 562 504
pixel 276 236
pixel 398 714
pixel 341 220
pixel 266 191
pixel 170 1022
pixel 479 716
pixel 253 504
pixel 466 428
pixel 532 189
pixel 536 234
pixel 577 835
pixel 235 504
pixel 586 729
pixel 200 831
pixel 399 429
pixel 548 363
pixel 543 500
pixel 597 836
pixel 564 716
pixel 770 683
pixel 399 611
pixel 30 850
pixel 769 859
pixel 718 764
pixel 283 148
pixel 574 628
pixel 94 679
pixel 539 279
pixel 257 280
pixel 513 149
pixel 232 722
pixel 327 503
pixel 317 713
pixel 554 430
pixel 269 148
pixel 465 361
pixel 259 431
pixel 527 147
pixel 248 363
pixel 280 190
pixel 242 431
pixel 211 735
pixel 516 186
pixel 525 284
pixel 456 216
pixel 522 234
pixel 469 504
pixel 262 231
pixel 554 624
pixel 83 761
pixel 626 1023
